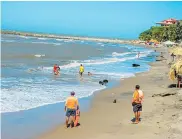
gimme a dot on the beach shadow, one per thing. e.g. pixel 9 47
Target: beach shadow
pixel 72 125
pixel 174 86
pixel 78 124
pixel 133 119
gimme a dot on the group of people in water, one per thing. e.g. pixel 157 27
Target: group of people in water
pixel 56 70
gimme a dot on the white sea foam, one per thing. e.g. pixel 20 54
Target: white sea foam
pixel 25 37
pixel 7 40
pixel 59 40
pixel 42 93
pixel 57 43
pixel 42 38
pixel 39 55
pixel 121 54
pixel 76 63
pixel 43 42
pixel 92 62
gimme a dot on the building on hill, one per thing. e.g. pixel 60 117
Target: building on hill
pixel 168 22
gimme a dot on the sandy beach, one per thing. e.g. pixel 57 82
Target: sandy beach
pixel 161 116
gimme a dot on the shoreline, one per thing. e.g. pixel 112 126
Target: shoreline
pixel 64 37
pixel 93 122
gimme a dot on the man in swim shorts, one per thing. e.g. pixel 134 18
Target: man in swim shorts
pixel 137 103
pixel 81 70
pixel 71 105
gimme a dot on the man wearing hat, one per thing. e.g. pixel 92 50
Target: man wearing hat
pixel 71 105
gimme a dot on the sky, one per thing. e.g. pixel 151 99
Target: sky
pixel 120 19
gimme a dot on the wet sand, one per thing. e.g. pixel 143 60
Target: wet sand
pixel 161 116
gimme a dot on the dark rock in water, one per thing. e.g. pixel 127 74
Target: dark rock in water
pixel 101 83
pixel 105 81
pixel 135 65
pixel 114 101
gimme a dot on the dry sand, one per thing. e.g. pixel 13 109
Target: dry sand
pixel 161 116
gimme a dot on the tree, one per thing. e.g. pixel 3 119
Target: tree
pixel 146 35
pixel 163 33
pixel 179 31
pixel 157 33
pixel 172 32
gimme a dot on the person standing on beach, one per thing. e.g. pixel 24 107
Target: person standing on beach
pixel 81 70
pixel 137 103
pixel 71 106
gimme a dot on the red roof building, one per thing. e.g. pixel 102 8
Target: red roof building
pixel 168 22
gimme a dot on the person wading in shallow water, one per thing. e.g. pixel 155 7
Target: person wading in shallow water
pixel 56 69
pixel 137 103
pixel 71 106
pixel 81 70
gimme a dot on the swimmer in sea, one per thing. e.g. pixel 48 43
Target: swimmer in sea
pixel 90 74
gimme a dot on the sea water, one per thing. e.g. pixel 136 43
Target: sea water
pixel 27 80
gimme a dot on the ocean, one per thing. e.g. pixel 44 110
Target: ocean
pixel 27 80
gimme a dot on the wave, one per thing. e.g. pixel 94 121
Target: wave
pixel 25 37
pixel 59 40
pixel 42 38
pixel 121 54
pixel 57 43
pixel 91 62
pixel 28 98
pixel 39 55
pixel 47 43
pixel 8 40
pixel 76 63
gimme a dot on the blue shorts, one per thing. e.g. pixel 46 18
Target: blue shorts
pixel 137 107
pixel 70 112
